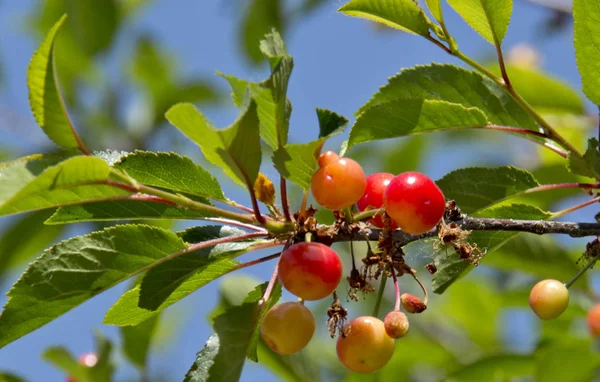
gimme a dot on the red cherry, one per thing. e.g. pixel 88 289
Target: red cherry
pixel 310 271
pixel 373 196
pixel 593 321
pixel 415 202
pixel 339 183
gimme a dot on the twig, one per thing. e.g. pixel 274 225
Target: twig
pixel 236 223
pixel 255 262
pixel 380 295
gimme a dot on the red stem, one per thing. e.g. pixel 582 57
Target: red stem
pixel 397 290
pixel 257 261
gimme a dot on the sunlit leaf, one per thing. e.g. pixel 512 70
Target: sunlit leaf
pixel 587 46
pixel 489 18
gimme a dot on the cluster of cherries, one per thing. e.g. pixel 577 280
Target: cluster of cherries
pixel 312 271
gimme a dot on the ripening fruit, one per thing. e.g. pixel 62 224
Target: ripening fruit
pixel 593 321
pixel 366 346
pixel 415 202
pixel 373 196
pixel 310 271
pixel 339 183
pixel 288 327
pixel 411 303
pixel 548 299
pixel 396 324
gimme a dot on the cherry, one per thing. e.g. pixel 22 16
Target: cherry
pixel 310 271
pixel 412 304
pixel 339 183
pixel 593 321
pixel 373 196
pixel 415 202
pixel 288 327
pixel 396 324
pixel 548 299
pixel 366 346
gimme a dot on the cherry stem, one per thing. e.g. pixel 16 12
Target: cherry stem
pixel 558 186
pixel 236 223
pixel 379 295
pixel 348 215
pixel 425 294
pixel 285 205
pixel 304 202
pixel 397 290
pixel 308 237
pixel 255 262
pixel 274 278
pixel 581 272
pixel 574 208
pixel 367 214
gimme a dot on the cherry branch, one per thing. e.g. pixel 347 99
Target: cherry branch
pixel 538 227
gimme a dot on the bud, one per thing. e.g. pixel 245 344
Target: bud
pixel 396 324
pixel 264 189
pixel 412 304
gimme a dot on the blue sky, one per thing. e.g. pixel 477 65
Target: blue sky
pixel 339 63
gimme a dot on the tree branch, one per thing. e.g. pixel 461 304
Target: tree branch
pixel 538 227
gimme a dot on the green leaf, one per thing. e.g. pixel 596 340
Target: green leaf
pixel 298 162
pixel 172 172
pixel 543 91
pixel 579 354
pixel 137 340
pixel 455 85
pixel 162 281
pixel 93 26
pixel 238 88
pixel 72 181
pixel 259 17
pixel 121 210
pixel 77 269
pixel 101 372
pixel 587 46
pixel 236 334
pixel 450 267
pixel 489 18
pixel 589 165
pixel 435 7
pixel 503 367
pixel 23 238
pixel 235 149
pixel 474 188
pixel 400 14
pixel 9 377
pixel 185 275
pixel 406 117
pixel 44 95
pixel 17 174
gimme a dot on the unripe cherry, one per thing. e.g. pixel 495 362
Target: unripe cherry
pixel 373 196
pixel 339 183
pixel 366 346
pixel 549 299
pixel 593 321
pixel 311 271
pixel 288 327
pixel 396 324
pixel 415 202
pixel 412 304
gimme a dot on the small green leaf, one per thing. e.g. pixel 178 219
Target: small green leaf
pixel 298 162
pixel 543 91
pixel 170 171
pixel 74 180
pixel 587 46
pixel 477 187
pixel 400 14
pixel 77 269
pixel 503 367
pixel 489 18
pixel 406 117
pixel 235 149
pixel 435 7
pixel 455 85
pixel 190 272
pixel 236 333
pixel 589 165
pixel 137 340
pixel 450 267
pixel 258 19
pixel 9 377
pixel 44 95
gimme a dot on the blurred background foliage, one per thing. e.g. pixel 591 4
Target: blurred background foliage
pixel 479 330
